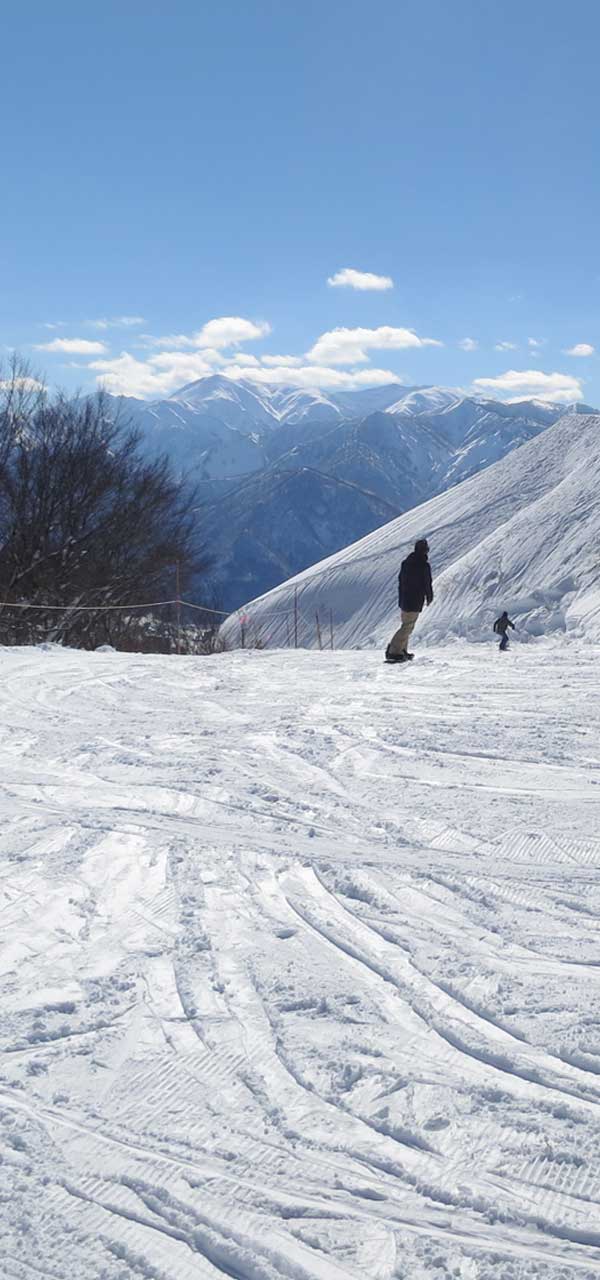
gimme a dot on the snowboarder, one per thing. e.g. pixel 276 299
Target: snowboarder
pixel 501 626
pixel 414 589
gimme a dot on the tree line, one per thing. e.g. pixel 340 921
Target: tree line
pixel 87 521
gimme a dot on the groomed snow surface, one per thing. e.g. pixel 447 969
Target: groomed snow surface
pixel 300 965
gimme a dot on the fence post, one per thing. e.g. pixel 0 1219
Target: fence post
pixel 318 630
pixel 331 627
pixel 178 594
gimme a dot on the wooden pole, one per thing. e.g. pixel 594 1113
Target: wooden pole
pixel 318 630
pixel 178 593
pixel 295 617
pixel 331 627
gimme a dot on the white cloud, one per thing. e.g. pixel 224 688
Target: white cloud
pixel 150 379
pixel 73 346
pixel 348 278
pixel 167 371
pixel 527 383
pixel 350 346
pixel 292 361
pixel 58 324
pixel 505 346
pixel 535 342
pixel 318 376
pixel 126 376
pixel 229 331
pixel 116 322
pixel 580 349
pixel 166 341
pixel 469 344
pixel 226 331
pixel 25 384
pixel 242 357
pixel 182 360
pixel 170 362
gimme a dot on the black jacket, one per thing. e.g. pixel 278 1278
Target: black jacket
pixel 502 624
pixel 414 583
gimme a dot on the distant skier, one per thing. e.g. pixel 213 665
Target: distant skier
pixel 414 589
pixel 501 626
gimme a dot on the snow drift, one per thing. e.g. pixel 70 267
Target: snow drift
pixel 523 535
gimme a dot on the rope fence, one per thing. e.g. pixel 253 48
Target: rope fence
pixel 84 608
pixel 245 620
pixel 150 604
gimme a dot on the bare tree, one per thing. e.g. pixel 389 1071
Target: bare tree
pixel 85 521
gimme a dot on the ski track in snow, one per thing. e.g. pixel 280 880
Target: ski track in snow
pixel 300 966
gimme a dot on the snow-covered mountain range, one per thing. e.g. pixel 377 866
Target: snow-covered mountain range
pixel 288 476
pixel 524 534
pixel 224 430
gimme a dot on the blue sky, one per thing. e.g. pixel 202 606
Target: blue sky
pixel 170 166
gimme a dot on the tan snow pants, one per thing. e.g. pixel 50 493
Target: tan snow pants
pixel 399 641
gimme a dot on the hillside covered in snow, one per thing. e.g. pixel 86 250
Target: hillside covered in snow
pixel 523 535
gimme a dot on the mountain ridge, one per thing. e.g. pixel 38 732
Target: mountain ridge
pixel 222 428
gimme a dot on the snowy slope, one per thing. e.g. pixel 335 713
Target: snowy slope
pixel 299 972
pixel 523 534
